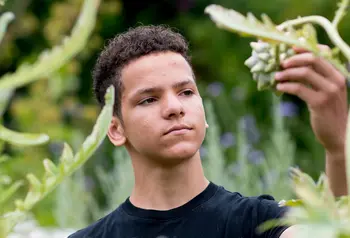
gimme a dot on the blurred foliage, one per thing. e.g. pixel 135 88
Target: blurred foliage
pixel 63 106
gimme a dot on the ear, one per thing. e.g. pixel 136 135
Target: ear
pixel 116 132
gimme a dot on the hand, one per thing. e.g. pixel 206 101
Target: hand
pixel 324 90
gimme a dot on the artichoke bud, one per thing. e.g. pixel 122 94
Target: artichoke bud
pixel 258 67
pixel 260 47
pixel 283 56
pixel 270 66
pixel 255 76
pixel 263 81
pixel 263 62
pixel 264 56
pixel 251 61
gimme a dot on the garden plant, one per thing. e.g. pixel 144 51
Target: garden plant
pixel 316 211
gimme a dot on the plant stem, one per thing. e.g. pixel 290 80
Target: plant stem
pixel 332 32
pixel 340 12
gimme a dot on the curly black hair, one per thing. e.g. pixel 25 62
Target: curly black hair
pixel 128 46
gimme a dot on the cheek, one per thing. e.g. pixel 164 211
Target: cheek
pixel 139 128
pixel 198 110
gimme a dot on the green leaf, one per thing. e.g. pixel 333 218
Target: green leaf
pixel 68 164
pixel 34 182
pixel 234 21
pixel 4 99
pixel 50 168
pixel 66 158
pixel 341 12
pixel 9 192
pixel 22 139
pixel 4 158
pixel 99 131
pixel 8 221
pixel 51 60
pixel 5 20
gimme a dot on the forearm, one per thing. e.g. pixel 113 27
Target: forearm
pixel 336 173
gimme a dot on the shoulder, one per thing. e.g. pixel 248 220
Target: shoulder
pixel 248 212
pixel 100 228
pixel 249 203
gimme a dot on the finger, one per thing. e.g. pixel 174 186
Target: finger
pixel 320 65
pixel 304 75
pixel 309 95
pixel 298 49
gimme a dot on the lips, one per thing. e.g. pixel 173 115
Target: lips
pixel 177 128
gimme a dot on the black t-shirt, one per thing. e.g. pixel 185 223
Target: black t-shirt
pixel 214 213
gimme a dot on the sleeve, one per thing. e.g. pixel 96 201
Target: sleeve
pixel 266 208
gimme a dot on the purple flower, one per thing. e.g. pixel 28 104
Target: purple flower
pixel 238 93
pixel 256 157
pixel 235 169
pixel 89 183
pixel 248 124
pixel 214 89
pixel 288 109
pixel 227 139
pixel 56 148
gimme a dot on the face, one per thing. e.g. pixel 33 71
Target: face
pixel 162 111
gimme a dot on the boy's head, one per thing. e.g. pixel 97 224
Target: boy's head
pixel 155 91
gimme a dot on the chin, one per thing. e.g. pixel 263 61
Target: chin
pixel 182 151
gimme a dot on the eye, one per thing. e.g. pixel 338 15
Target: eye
pixel 147 101
pixel 188 92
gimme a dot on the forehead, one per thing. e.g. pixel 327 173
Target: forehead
pixel 158 69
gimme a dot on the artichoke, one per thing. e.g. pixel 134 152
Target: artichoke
pixel 265 61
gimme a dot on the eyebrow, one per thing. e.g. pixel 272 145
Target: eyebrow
pixel 157 89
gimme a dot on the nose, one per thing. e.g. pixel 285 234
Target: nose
pixel 172 107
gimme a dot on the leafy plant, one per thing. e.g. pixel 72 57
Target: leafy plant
pixel 252 179
pixel 276 40
pixel 48 62
pixel 316 212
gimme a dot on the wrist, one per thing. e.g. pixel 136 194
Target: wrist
pixel 336 155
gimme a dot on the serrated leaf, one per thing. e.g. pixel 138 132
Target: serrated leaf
pixel 4 99
pixel 34 182
pixel 8 221
pixel 37 191
pixel 51 61
pixel 99 131
pixel 22 139
pixel 66 158
pixel 343 6
pixel 5 20
pixel 232 20
pixel 50 167
pixel 9 192
pixel 32 198
pixel 267 21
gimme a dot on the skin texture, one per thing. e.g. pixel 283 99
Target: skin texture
pixel 159 93
pixel 326 99
pixel 167 167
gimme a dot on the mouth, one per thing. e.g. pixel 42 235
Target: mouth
pixel 178 129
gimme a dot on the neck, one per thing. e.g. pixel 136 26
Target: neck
pixel 164 188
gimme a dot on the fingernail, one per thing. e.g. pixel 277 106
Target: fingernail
pixel 284 64
pixel 278 75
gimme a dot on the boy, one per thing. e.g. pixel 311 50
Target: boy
pixel 159 118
